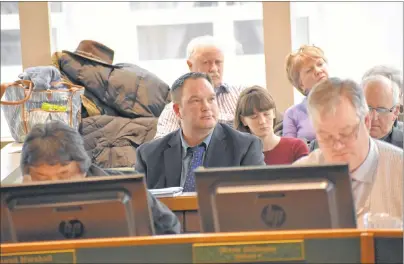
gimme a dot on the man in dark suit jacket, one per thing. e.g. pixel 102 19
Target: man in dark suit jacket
pixel 170 161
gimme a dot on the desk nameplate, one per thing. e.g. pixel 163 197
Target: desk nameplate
pixel 43 257
pixel 248 252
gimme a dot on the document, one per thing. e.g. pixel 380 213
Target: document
pixel 167 192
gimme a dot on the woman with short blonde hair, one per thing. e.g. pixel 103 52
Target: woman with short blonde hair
pixel 305 67
pixel 255 114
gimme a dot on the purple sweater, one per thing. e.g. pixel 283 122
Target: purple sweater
pixel 296 122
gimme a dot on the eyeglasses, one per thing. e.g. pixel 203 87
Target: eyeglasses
pixel 344 139
pixel 381 110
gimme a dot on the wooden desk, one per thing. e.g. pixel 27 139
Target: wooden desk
pixel 315 246
pixel 186 209
pixel 184 202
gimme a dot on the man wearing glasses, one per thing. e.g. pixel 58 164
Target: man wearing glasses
pixel 383 98
pixel 393 74
pixel 341 120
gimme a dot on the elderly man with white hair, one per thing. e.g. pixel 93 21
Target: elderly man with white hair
pixel 383 98
pixel 341 121
pixel 392 73
pixel 206 54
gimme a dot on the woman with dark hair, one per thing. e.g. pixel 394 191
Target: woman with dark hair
pixel 255 114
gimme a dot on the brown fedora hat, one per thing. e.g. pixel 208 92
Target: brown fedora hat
pixel 92 50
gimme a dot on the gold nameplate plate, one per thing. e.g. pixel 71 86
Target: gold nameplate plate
pixel 43 257
pixel 248 252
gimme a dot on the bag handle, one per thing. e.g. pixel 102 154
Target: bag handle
pixel 21 84
pixel 71 87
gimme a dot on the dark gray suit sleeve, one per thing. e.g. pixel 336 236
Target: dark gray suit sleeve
pixel 254 155
pixel 140 167
pixel 165 221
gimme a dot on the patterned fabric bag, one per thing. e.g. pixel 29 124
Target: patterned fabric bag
pixel 24 105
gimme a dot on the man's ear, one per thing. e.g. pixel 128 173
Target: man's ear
pixel 396 112
pixel 189 63
pixel 176 108
pixel 368 121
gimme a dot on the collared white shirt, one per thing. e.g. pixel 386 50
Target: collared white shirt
pixel 377 183
pixel 363 178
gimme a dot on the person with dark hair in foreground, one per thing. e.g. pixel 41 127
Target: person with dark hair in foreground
pixel 54 151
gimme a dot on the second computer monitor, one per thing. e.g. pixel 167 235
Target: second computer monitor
pixel 275 198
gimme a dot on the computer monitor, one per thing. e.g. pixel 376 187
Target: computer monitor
pixel 275 198
pixel 92 207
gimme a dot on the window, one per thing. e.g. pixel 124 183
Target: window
pixel 11 60
pixel 55 7
pixel 152 40
pixel 352 45
pixel 10 48
pixel 9 8
pixel 10 52
pixel 250 36
pixel 136 6
pixel 156 34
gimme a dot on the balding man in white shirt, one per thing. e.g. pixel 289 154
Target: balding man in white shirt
pixel 341 120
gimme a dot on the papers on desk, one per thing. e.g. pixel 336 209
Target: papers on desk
pixel 166 192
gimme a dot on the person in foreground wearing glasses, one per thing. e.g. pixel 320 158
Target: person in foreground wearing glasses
pixel 255 114
pixel 382 96
pixel 341 120
pixel 304 69
pixel 55 152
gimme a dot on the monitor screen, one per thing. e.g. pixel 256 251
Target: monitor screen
pixel 275 198
pixel 92 207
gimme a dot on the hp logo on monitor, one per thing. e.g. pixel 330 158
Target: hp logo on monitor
pixel 273 216
pixel 71 228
